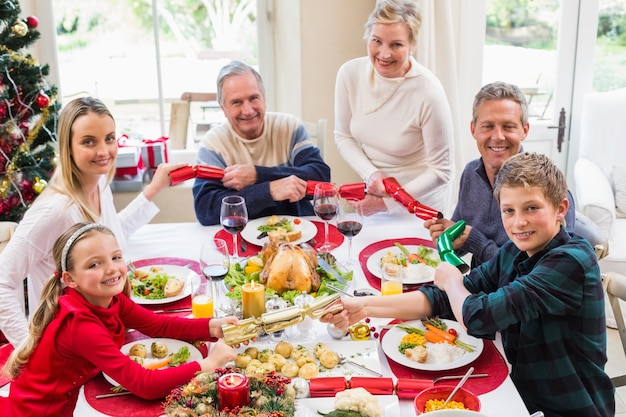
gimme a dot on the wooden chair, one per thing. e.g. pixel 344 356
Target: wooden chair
pixel 317 133
pixel 180 116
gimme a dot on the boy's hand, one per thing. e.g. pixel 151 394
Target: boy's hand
pixel 353 312
pixel 447 275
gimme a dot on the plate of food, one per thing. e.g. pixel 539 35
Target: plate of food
pixel 417 345
pixel 159 353
pixel 308 407
pixel 279 229
pixel 160 284
pixel 416 262
pixel 310 360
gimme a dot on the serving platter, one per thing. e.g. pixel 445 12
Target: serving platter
pixel 364 353
pixel 173 345
pixel 182 273
pixel 251 232
pixel 374 267
pixel 391 341
pixel 308 407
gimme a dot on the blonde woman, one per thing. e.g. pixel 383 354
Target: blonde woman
pixel 78 330
pixel 78 191
pixel 392 117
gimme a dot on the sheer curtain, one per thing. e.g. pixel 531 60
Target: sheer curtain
pixel 438 51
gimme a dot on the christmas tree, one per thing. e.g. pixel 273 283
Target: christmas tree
pixel 28 115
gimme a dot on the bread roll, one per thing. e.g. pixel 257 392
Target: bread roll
pixel 173 287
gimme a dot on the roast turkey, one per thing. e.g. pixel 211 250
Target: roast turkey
pixel 289 267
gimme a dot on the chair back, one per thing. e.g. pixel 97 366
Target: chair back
pixel 317 133
pixel 586 228
pixel 616 291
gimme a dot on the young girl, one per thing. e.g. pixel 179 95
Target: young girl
pixel 79 327
pixel 78 191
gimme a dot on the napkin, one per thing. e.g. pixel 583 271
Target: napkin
pixel 327 387
pixel 375 386
pixel 409 388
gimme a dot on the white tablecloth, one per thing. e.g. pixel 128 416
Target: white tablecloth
pixel 183 240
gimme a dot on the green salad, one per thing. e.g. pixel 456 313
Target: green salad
pixel 149 285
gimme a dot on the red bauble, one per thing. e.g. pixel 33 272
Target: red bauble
pixel 32 22
pixel 43 101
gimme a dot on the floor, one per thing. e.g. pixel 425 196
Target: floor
pixel 616 366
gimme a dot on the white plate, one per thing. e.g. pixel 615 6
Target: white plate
pixel 179 272
pixel 173 346
pixel 307 407
pixel 373 263
pixel 392 338
pixel 251 231
pixel 364 353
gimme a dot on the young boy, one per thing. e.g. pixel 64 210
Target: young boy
pixel 542 291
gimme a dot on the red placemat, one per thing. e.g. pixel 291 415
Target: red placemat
pixel 369 250
pixel 250 249
pixel 124 406
pixel 191 264
pixel 489 362
pixel 334 236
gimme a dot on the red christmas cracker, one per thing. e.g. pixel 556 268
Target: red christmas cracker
pixel 375 386
pixel 409 388
pixel 327 387
pixel 395 190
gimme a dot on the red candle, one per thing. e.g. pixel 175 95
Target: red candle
pixel 233 390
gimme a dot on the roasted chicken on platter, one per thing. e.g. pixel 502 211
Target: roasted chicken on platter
pixel 289 267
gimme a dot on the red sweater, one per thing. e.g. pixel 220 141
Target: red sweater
pixel 83 340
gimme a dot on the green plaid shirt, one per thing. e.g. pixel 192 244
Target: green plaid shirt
pixel 550 311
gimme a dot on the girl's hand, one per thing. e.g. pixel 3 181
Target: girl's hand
pixel 219 355
pixel 215 326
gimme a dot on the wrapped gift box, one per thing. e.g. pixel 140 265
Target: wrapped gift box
pixel 129 182
pixel 128 157
pixel 154 151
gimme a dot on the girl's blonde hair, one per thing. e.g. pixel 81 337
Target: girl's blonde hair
pixel 67 179
pixel 396 11
pixel 50 296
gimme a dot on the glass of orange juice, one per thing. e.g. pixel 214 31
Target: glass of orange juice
pixel 202 300
pixel 391 281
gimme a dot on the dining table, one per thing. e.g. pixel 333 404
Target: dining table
pixel 179 243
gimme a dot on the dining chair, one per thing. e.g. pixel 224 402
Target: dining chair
pixel 317 133
pixel 180 116
pixel 616 290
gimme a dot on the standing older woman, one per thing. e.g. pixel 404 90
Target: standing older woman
pixel 78 191
pixel 392 117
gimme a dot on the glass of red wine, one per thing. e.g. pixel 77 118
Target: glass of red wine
pixel 214 263
pixel 234 217
pixel 349 224
pixel 325 202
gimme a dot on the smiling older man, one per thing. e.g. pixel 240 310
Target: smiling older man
pixel 499 126
pixel 267 157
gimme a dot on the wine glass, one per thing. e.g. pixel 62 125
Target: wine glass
pixel 325 201
pixel 214 264
pixel 234 217
pixel 349 224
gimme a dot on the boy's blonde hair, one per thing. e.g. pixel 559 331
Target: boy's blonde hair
pixel 532 170
pixel 50 295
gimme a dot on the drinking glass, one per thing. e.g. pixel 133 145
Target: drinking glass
pixel 325 202
pixel 391 281
pixel 234 217
pixel 214 264
pixel 349 224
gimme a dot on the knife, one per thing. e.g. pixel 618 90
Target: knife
pixel 330 270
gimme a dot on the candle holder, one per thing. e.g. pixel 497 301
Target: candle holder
pixel 233 390
pixel 280 319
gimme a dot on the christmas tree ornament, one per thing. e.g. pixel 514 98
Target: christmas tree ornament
pixel 32 22
pixel 39 185
pixel 42 100
pixel 20 29
pixel 5 184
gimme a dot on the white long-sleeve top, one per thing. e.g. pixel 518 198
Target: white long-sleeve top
pixel 400 126
pixel 29 252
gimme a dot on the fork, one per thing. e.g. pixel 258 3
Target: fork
pixel 445 378
pixel 343 359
